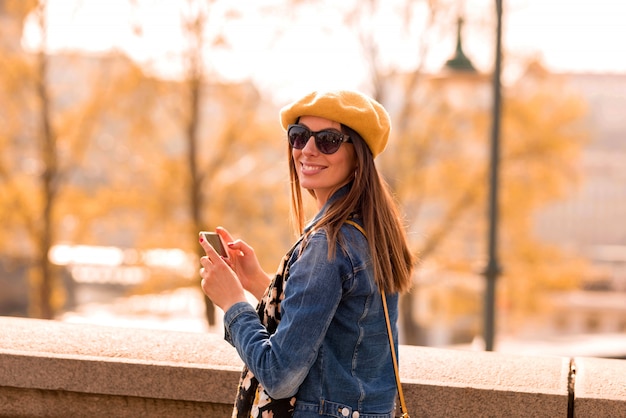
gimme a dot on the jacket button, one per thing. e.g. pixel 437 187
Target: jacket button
pixel 345 412
pixel 355 414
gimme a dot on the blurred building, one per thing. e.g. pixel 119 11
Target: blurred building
pixel 591 220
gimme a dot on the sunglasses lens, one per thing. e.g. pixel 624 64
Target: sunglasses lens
pixel 328 142
pixel 298 136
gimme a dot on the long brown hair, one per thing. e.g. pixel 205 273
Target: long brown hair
pixel 371 200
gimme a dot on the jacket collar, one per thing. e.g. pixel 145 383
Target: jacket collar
pixel 333 198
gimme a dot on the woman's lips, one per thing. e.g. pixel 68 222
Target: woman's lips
pixel 311 168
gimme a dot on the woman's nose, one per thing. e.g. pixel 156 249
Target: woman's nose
pixel 310 147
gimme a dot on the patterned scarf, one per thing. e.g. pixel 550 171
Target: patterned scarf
pixel 252 401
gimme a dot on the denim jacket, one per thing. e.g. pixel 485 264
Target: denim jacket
pixel 331 347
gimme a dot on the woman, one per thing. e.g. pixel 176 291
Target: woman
pixel 317 343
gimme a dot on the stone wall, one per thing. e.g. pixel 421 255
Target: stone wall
pixel 54 369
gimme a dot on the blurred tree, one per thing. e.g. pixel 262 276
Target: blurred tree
pixel 194 22
pixel 121 161
pixel 50 174
pixel 50 167
pixel 543 137
pixel 12 256
pixel 437 163
pixel 202 166
pixel 42 156
pixel 541 141
pixel 227 154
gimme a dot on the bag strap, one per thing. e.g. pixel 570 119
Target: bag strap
pixel 403 410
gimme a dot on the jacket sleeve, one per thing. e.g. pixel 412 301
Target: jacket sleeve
pixel 282 361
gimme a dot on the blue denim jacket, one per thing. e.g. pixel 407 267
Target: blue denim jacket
pixel 331 346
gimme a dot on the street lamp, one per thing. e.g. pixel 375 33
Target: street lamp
pixel 492 271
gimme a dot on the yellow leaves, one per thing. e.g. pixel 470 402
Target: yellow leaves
pixel 440 163
pixel 534 270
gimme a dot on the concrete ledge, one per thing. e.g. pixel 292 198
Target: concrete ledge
pixel 22 403
pixel 49 368
pixel 448 383
pixel 600 387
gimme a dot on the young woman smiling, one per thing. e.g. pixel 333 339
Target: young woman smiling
pixel 317 343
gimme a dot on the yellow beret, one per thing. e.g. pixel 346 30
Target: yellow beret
pixel 361 113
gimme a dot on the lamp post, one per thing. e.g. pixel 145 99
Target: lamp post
pixel 492 271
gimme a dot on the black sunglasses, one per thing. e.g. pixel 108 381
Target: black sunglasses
pixel 327 141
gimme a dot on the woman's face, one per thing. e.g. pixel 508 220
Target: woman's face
pixel 323 173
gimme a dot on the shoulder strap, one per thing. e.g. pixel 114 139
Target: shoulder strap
pixel 357 226
pixel 404 412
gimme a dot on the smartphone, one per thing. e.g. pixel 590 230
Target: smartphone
pixel 216 242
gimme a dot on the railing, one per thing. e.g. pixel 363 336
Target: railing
pixel 54 369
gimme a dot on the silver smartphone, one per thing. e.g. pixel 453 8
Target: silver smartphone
pixel 216 242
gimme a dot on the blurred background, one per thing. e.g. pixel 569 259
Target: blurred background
pixel 126 126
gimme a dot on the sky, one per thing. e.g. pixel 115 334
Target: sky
pixel 314 49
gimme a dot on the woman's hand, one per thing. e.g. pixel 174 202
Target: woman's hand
pixel 219 281
pixel 242 259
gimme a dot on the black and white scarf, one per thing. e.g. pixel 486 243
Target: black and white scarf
pixel 252 400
